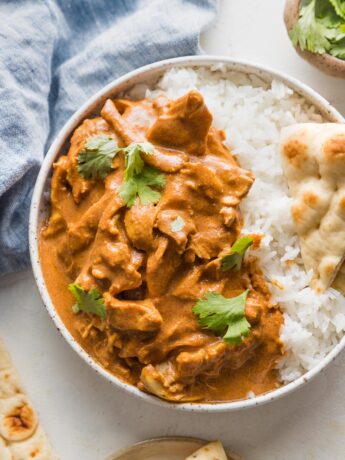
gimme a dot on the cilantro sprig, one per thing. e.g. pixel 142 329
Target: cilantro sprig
pixel 225 317
pixel 235 258
pixel 88 302
pixel 95 160
pixel 133 161
pixel 321 27
pixel 141 185
pixel 339 6
pixel 140 180
pixel 339 50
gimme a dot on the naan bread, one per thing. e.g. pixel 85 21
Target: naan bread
pixel 5 361
pixel 21 436
pixel 212 451
pixel 313 157
pixel 339 282
pixel 36 447
pixel 9 383
pixel 5 453
pixel 18 420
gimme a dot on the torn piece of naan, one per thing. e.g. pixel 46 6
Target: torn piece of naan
pixel 313 157
pixel 211 451
pixel 339 282
pixel 21 435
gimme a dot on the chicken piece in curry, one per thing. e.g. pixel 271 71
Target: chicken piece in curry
pixel 144 214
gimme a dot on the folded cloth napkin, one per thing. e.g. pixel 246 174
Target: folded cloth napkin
pixel 54 54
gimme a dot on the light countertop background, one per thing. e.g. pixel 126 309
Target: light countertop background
pixel 86 417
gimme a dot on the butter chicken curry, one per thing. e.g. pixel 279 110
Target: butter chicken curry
pixel 144 258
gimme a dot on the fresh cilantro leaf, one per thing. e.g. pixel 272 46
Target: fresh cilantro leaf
pixel 225 317
pixel 147 195
pixel 320 28
pixel 139 178
pixel 133 162
pixel 177 224
pixel 129 192
pixel 327 15
pixel 338 50
pixel 95 160
pixel 152 176
pixel 339 7
pixel 235 258
pixel 309 32
pixel 88 302
pixel 141 185
pixel 324 10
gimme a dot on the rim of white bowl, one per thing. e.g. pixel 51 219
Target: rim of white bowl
pixel 121 84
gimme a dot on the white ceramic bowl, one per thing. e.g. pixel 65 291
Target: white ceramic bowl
pixel 39 208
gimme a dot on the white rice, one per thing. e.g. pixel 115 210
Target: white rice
pixel 252 114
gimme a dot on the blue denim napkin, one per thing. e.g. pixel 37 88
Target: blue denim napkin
pixel 53 56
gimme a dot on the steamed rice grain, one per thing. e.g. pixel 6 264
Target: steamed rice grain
pixel 252 113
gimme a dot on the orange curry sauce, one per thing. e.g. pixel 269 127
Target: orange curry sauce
pixel 151 276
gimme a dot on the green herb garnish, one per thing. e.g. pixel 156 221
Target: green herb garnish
pixel 339 6
pixel 133 161
pixel 140 185
pixel 95 160
pixel 225 317
pixel 140 180
pixel 338 50
pixel 235 258
pixel 320 27
pixel 88 302
pixel 177 224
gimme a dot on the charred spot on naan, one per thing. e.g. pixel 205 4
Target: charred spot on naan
pixel 334 149
pixel 18 419
pixel 298 211
pixel 311 199
pixel 342 204
pixel 296 152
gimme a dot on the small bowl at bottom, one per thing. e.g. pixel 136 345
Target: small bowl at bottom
pixel 168 448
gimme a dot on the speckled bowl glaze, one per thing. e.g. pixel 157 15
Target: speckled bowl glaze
pixel 325 62
pixel 40 206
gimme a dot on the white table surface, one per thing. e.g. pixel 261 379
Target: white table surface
pixel 86 417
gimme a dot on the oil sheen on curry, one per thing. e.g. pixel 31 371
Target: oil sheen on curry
pixel 145 259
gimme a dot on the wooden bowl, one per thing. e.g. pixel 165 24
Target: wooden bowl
pixel 325 62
